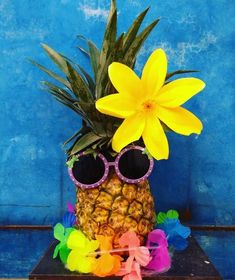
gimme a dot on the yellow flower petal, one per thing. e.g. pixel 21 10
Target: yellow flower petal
pixel 154 72
pixel 155 138
pixel 129 131
pixel 179 91
pixel 86 264
pixel 92 245
pixel 117 105
pixel 180 120
pixel 72 260
pixel 77 262
pixel 76 240
pixel 125 80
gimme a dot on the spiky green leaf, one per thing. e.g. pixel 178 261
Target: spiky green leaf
pixel 89 80
pixel 109 36
pixel 87 77
pixel 79 86
pixel 94 146
pixel 133 30
pixel 72 137
pixel 119 48
pixel 56 58
pixel 84 142
pixel 83 51
pixel 51 74
pixel 63 97
pixel 178 72
pixel 70 105
pixel 59 90
pixel 107 48
pixel 115 55
pixel 61 93
pixel 113 7
pixel 84 129
pixel 131 54
pixel 94 54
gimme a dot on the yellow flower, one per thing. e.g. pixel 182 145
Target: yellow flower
pixel 79 259
pixel 144 102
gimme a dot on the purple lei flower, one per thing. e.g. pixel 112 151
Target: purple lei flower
pixel 161 260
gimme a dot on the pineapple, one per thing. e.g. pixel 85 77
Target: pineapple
pixel 114 207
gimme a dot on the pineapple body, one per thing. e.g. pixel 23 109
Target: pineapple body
pixel 114 208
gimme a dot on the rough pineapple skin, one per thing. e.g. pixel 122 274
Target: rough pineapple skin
pixel 114 208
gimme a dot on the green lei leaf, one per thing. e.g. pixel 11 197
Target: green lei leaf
pixel 71 162
pixel 59 232
pixel 64 252
pixel 56 251
pixel 146 152
pixel 62 234
pixel 172 214
pixel 161 217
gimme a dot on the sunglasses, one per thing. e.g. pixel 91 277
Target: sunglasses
pixel 131 166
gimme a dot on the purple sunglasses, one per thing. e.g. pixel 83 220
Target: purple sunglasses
pixel 127 156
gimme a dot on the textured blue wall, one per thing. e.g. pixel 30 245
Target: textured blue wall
pixel 196 34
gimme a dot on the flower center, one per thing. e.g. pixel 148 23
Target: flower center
pixel 149 105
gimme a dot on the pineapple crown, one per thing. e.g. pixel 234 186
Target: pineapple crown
pixel 79 90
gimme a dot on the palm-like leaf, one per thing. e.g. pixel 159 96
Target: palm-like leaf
pixel 56 58
pixel 64 97
pixel 79 86
pixel 52 74
pixel 86 76
pixel 84 142
pixel 132 52
pixel 179 72
pixel 133 30
pixel 94 55
pixel 107 50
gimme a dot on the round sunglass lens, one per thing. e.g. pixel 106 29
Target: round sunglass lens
pixel 88 170
pixel 133 164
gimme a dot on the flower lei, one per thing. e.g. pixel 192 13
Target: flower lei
pixel 80 254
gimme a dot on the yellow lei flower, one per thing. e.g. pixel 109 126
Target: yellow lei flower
pixel 144 102
pixel 79 259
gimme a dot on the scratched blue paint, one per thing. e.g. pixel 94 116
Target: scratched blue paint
pixel 20 251
pixel 196 34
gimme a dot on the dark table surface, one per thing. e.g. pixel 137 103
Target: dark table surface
pixel 191 263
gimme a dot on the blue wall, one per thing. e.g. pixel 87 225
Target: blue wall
pixel 196 34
